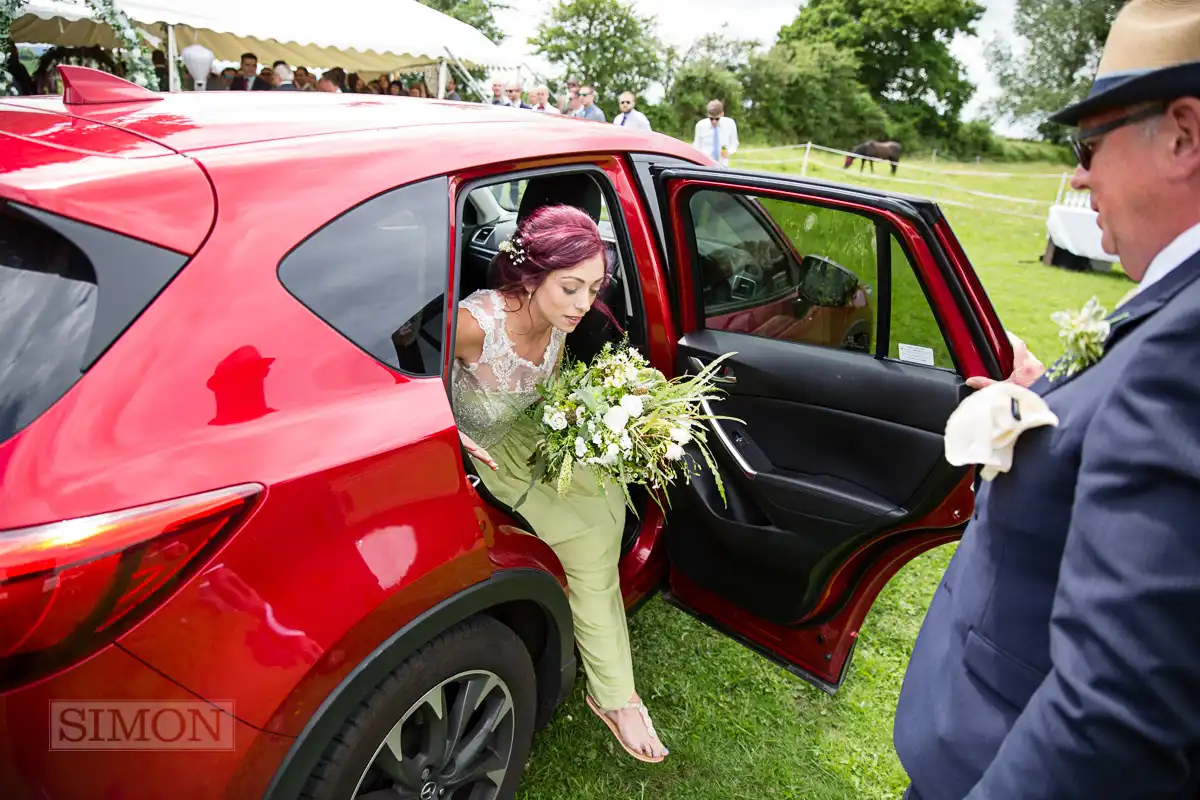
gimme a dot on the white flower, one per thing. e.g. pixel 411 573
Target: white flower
pixel 609 457
pixel 1083 334
pixel 548 412
pixel 591 423
pixel 626 443
pixel 558 421
pixel 674 451
pixel 580 447
pixel 632 404
pixel 616 418
pixel 631 374
pixel 596 440
pixel 681 435
pixel 615 381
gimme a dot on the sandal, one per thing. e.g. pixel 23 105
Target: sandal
pixel 612 726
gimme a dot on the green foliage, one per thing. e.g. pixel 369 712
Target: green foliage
pixel 808 91
pixel 479 14
pixel 9 9
pixel 697 83
pixel 1065 39
pixel 604 43
pixel 903 47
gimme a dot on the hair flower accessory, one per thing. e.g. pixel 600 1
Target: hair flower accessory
pixel 514 248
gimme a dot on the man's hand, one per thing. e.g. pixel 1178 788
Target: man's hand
pixel 1026 366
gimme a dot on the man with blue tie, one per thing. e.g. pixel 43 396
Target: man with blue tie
pixel 716 136
pixel 1060 657
pixel 630 117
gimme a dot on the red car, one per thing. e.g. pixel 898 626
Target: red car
pixel 240 552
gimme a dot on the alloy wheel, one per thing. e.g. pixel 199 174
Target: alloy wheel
pixel 455 743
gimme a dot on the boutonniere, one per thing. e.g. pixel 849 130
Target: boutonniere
pixel 1083 333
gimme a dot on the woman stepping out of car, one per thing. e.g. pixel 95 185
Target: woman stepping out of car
pixel 510 338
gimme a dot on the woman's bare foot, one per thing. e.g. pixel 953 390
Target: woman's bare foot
pixel 636 729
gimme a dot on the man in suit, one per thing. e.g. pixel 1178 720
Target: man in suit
pixel 1060 658
pixel 514 92
pixel 249 79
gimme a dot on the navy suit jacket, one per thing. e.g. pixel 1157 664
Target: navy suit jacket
pixel 1060 657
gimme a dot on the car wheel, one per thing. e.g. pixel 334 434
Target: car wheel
pixel 857 339
pixel 453 722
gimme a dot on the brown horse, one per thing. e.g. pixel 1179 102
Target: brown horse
pixel 885 151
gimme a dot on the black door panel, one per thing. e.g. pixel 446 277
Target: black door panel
pixel 830 448
pixel 909 395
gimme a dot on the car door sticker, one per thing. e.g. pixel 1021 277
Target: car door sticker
pixel 915 354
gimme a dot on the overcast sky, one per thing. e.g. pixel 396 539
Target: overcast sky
pixel 681 22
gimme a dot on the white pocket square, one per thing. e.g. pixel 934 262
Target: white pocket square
pixel 985 426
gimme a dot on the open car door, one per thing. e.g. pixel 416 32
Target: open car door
pixel 855 319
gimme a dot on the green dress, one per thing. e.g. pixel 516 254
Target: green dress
pixel 583 528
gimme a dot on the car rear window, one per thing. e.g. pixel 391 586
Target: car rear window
pixel 67 291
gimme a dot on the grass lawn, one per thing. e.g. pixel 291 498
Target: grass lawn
pixel 739 727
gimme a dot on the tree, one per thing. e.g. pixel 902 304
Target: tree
pixel 810 92
pixel 1064 41
pixel 479 14
pixel 698 82
pixel 711 69
pixel 604 43
pixel 723 50
pixel 903 51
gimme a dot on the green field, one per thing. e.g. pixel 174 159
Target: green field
pixel 739 727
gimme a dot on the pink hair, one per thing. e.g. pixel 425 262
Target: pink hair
pixel 550 239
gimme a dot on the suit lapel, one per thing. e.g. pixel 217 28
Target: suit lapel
pixel 1143 305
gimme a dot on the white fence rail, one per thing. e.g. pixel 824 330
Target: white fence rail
pixel 802 153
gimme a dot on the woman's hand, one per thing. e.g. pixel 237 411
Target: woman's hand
pixel 477 451
pixel 1026 366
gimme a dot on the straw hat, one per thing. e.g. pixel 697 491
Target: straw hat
pixel 1152 53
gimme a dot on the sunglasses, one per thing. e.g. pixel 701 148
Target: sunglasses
pixel 626 102
pixel 585 94
pixel 1085 141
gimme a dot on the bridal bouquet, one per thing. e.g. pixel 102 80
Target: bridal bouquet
pixel 624 420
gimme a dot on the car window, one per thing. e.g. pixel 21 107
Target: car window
pixel 785 270
pixel 916 336
pixel 67 292
pixel 799 272
pixel 378 275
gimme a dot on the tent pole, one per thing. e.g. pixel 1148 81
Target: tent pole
pixel 443 76
pixel 173 82
pixel 482 94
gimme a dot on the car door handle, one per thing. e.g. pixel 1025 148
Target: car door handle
pixel 732 444
pixel 723 375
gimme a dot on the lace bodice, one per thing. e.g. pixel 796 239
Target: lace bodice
pixel 491 394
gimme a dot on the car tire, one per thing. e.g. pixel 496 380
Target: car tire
pixel 481 676
pixel 857 339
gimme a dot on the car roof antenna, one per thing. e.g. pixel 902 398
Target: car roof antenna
pixel 85 86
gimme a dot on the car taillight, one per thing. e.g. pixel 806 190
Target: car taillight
pixel 68 588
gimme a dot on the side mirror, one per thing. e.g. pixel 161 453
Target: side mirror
pixel 826 283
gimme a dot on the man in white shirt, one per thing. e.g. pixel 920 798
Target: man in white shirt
pixel 630 117
pixel 539 98
pixel 716 136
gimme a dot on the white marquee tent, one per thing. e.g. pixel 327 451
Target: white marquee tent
pixel 367 36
